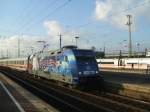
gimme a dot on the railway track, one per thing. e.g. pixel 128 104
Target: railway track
pixel 59 99
pixel 74 100
pixel 128 100
pixel 123 99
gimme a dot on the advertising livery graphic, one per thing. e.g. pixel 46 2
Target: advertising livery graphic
pixel 46 64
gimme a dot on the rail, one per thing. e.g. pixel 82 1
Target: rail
pixel 75 100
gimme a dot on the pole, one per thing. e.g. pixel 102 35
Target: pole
pixel 104 49
pixel 138 45
pixel 7 53
pixel 43 45
pixel 130 40
pixel 60 36
pixel 1 53
pixel 18 47
pixel 76 40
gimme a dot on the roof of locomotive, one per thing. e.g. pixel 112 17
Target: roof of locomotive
pixel 63 49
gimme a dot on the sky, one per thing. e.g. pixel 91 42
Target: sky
pixel 97 23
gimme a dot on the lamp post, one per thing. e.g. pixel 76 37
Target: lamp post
pixel 138 47
pixel 121 48
pixel 43 44
pixel 76 40
pixel 41 41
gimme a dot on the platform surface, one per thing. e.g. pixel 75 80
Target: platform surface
pixel 7 101
pixel 127 78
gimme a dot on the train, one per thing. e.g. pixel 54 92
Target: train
pixel 124 63
pixel 68 65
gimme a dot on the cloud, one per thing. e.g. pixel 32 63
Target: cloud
pixel 114 11
pixel 9 45
pixel 54 29
pixel 102 9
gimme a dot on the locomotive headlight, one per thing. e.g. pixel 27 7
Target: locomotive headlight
pixel 75 78
pixel 80 73
pixel 96 72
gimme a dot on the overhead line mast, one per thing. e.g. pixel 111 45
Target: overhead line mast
pixel 130 39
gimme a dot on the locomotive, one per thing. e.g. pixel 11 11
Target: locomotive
pixel 69 65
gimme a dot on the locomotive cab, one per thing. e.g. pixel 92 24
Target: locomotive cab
pixel 87 68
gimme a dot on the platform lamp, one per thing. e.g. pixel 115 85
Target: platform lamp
pixel 76 40
pixel 43 43
pixel 138 46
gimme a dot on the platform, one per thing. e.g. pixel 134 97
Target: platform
pixel 137 71
pixel 129 84
pixel 28 101
pixel 7 101
pixel 127 78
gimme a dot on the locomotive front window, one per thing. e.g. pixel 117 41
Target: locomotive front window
pixel 86 59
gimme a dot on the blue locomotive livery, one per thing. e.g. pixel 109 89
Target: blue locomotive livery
pixel 69 65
